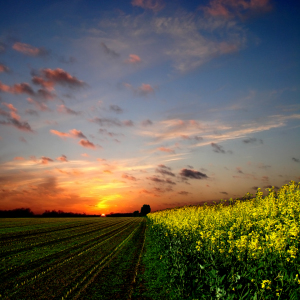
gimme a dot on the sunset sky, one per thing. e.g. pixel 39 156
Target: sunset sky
pixel 109 105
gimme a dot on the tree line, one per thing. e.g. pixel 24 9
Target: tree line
pixel 28 213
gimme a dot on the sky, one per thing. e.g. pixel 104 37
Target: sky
pixel 109 105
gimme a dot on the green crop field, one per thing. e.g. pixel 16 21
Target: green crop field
pixel 70 258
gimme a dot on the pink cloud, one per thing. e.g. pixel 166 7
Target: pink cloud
pixel 62 158
pixel 19 88
pixel 3 68
pixel 60 76
pixel 29 50
pixel 45 160
pixel 77 133
pixel 60 134
pixel 4 88
pixel 85 155
pixel 232 8
pixel 49 85
pixel 163 149
pixel 133 59
pixel 87 144
pixel 145 89
pixel 19 158
pixel 155 5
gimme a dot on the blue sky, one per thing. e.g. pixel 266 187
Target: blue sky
pixel 105 107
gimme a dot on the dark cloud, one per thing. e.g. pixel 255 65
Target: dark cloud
pixel 162 169
pixel 32 112
pixel 70 60
pixel 62 158
pixel 106 122
pixel 2 47
pixel 159 180
pixel 296 159
pixel 217 148
pixel 60 76
pixel 112 122
pixel 253 141
pixel 184 193
pixel 254 188
pixel 63 109
pixel 146 123
pixel 129 177
pixel 108 133
pixel 109 51
pixel 116 109
pixel 225 193
pixel 77 133
pixel 4 68
pixel 186 173
pixel 45 160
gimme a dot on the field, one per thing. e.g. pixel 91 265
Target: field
pixel 248 250
pixel 70 258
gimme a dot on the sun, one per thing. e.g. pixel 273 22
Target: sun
pixel 102 215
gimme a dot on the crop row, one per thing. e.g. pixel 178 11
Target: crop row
pixel 50 238
pixel 39 265
pixel 68 273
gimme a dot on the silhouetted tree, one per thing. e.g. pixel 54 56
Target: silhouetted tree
pixel 17 213
pixel 136 213
pixel 145 210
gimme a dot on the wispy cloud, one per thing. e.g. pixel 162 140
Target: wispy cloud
pixel 62 158
pixel 108 51
pixel 154 5
pixel 30 50
pixel 66 110
pixel 4 68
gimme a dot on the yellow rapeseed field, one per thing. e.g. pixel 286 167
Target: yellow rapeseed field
pixel 256 240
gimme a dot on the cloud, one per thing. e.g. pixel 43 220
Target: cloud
pixel 162 169
pixel 87 144
pixel 159 180
pixel 63 109
pixel 73 133
pixel 39 105
pixel 232 8
pixel 19 158
pixel 84 154
pixel 217 148
pixel 116 109
pixel 224 193
pixel 108 51
pixel 112 122
pixel 146 123
pixel 19 88
pixel 13 119
pixel 145 89
pixel 2 47
pixel 62 158
pixel 184 193
pixel 296 160
pixel 129 177
pixel 60 134
pixel 30 50
pixel 253 141
pixel 155 5
pixel 46 160
pixel 49 78
pixel 4 68
pixel 187 173
pixel 133 59
pixel 77 133
pixel 164 149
